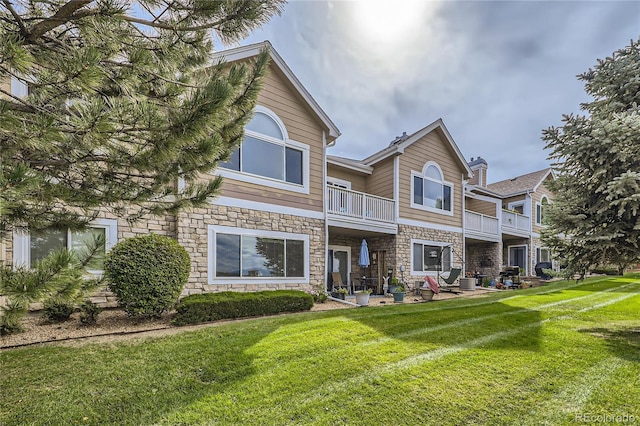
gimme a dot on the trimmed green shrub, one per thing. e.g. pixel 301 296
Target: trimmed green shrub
pixel 146 273
pixel 605 271
pixel 57 311
pixel 228 304
pixel 89 312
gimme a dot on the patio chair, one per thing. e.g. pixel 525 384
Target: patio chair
pixel 449 280
pixel 357 282
pixel 337 281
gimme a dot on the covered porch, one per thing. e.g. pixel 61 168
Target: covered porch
pixel 343 259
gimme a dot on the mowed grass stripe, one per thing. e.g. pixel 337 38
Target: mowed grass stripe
pixel 312 392
pixel 489 299
pixel 436 354
pixel 572 398
pixel 476 319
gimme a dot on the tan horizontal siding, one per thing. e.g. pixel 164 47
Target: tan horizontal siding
pixel 536 199
pixel 357 180
pixel 480 206
pixel 431 147
pixel 5 84
pixel 250 192
pixel 302 127
pixel 380 183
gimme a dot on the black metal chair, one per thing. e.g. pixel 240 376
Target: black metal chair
pixel 449 280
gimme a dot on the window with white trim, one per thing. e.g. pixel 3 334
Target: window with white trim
pixel 19 88
pixel 516 206
pixel 30 248
pixel 267 152
pixel 540 208
pixel 429 256
pixel 255 256
pixel 543 255
pixel 430 191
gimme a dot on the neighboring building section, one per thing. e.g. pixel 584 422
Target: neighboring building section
pixel 511 235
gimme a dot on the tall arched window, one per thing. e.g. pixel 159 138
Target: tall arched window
pixel 540 208
pixel 430 190
pixel 267 151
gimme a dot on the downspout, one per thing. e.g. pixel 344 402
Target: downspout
pixel 324 211
pixel 396 186
pixel 464 225
pixel 396 198
pixel 532 218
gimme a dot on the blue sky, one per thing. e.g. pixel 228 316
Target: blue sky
pixel 497 73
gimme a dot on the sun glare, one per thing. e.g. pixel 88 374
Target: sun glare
pixel 389 22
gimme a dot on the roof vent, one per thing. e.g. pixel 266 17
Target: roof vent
pixel 399 139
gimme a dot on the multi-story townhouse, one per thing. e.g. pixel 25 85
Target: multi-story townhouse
pixel 503 221
pixel 406 201
pixel 267 228
pixel 290 216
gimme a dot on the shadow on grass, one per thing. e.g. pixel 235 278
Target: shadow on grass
pixel 133 383
pixel 623 342
pixel 443 324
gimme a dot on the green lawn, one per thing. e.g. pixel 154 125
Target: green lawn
pixel 536 356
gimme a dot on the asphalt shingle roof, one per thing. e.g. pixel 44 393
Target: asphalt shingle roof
pixel 519 183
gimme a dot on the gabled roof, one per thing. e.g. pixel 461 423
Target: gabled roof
pixel 398 146
pixel 244 52
pixel 349 163
pixel 521 184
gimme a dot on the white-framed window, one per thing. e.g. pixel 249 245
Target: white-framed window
pixel 29 248
pixel 516 206
pixel 239 255
pixel 543 255
pixel 19 88
pixel 268 156
pixel 338 183
pixel 540 208
pixel 429 190
pixel 430 257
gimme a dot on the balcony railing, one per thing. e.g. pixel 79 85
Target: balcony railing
pixel 358 205
pixel 516 221
pixel 481 224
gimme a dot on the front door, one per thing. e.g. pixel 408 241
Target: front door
pixel 338 260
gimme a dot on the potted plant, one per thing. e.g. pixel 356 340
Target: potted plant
pixel 362 297
pixel 398 294
pixel 394 284
pixel 429 289
pixel 340 293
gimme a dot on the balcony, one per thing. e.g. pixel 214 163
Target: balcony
pixel 516 223
pixel 482 227
pixel 358 210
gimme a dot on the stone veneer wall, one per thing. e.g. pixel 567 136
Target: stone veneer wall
pixel 478 252
pixel 403 247
pixel 193 233
pixel 535 244
pixel 153 225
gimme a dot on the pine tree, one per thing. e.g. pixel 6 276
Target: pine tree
pixel 595 218
pixel 124 101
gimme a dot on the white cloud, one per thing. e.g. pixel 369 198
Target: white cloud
pixel 496 72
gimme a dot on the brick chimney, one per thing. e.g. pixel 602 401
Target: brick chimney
pixel 479 167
